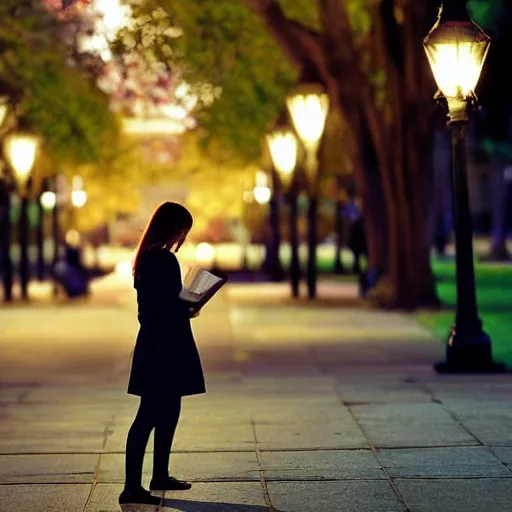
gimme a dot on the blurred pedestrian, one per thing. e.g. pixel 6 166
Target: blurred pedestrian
pixel 166 364
pixel 357 238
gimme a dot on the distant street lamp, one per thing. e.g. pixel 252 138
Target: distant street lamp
pixel 456 49
pixel 261 191
pixel 78 198
pixel 20 149
pixel 283 146
pixel 308 106
pixel 48 200
pixel 264 194
pixel 5 221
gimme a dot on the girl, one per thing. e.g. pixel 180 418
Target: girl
pixel 166 364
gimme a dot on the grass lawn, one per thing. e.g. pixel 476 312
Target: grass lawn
pixel 494 294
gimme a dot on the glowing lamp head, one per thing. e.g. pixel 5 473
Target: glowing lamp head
pixel 262 194
pixel 20 151
pixel 78 198
pixel 308 106
pixel 48 200
pixel 283 150
pixel 456 49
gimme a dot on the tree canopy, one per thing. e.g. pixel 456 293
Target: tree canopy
pixel 224 44
pixel 54 97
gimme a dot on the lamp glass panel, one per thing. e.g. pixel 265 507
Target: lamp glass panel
pixel 456 52
pixel 309 112
pixel 283 147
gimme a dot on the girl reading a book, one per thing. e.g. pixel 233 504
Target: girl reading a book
pixel 166 364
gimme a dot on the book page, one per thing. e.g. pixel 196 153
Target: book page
pixel 199 281
pixel 189 296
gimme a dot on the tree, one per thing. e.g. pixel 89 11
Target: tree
pixel 58 101
pixel 369 55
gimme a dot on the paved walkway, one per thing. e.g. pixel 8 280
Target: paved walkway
pixel 308 409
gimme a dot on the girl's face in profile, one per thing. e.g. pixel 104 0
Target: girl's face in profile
pixel 180 242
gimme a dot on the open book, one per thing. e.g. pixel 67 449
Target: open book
pixel 199 286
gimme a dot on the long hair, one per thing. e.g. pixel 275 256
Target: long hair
pixel 168 226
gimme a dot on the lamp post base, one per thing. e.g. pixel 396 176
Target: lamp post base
pixel 473 354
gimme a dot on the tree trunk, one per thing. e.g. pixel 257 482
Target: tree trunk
pixel 389 138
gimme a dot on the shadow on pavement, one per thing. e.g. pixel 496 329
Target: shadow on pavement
pixel 208 506
pixel 195 506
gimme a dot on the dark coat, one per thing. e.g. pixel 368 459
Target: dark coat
pixel 165 360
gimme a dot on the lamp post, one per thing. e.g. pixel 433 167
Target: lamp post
pixel 48 203
pixel 20 149
pixel 5 220
pixel 456 49
pixel 283 147
pixel 263 195
pixel 308 106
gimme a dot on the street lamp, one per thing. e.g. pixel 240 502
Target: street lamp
pixel 48 200
pixel 20 149
pixel 264 194
pixel 283 147
pixel 78 198
pixel 308 106
pixel 261 191
pixel 5 221
pixel 456 49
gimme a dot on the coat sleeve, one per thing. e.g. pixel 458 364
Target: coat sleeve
pixel 158 288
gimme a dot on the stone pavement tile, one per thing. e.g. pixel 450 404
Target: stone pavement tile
pixel 472 495
pixel 196 437
pixel 53 468
pixel 504 454
pixel 58 442
pixel 218 497
pixel 420 424
pixel 215 437
pixel 321 465
pixel 361 496
pixel 43 498
pixel 105 499
pixel 278 411
pixel 442 462
pixel 491 432
pixel 195 467
pixel 381 391
pixel 309 435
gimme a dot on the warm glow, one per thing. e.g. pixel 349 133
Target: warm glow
pixel 283 150
pixel 20 150
pixel 124 269
pixel 456 53
pixel 174 111
pixel 308 111
pixel 73 238
pixel 261 179
pixel 205 253
pixel 48 200
pixel 163 126
pixel 77 183
pixel 262 194
pixel 78 198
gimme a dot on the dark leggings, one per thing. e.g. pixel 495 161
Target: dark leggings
pixel 161 415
